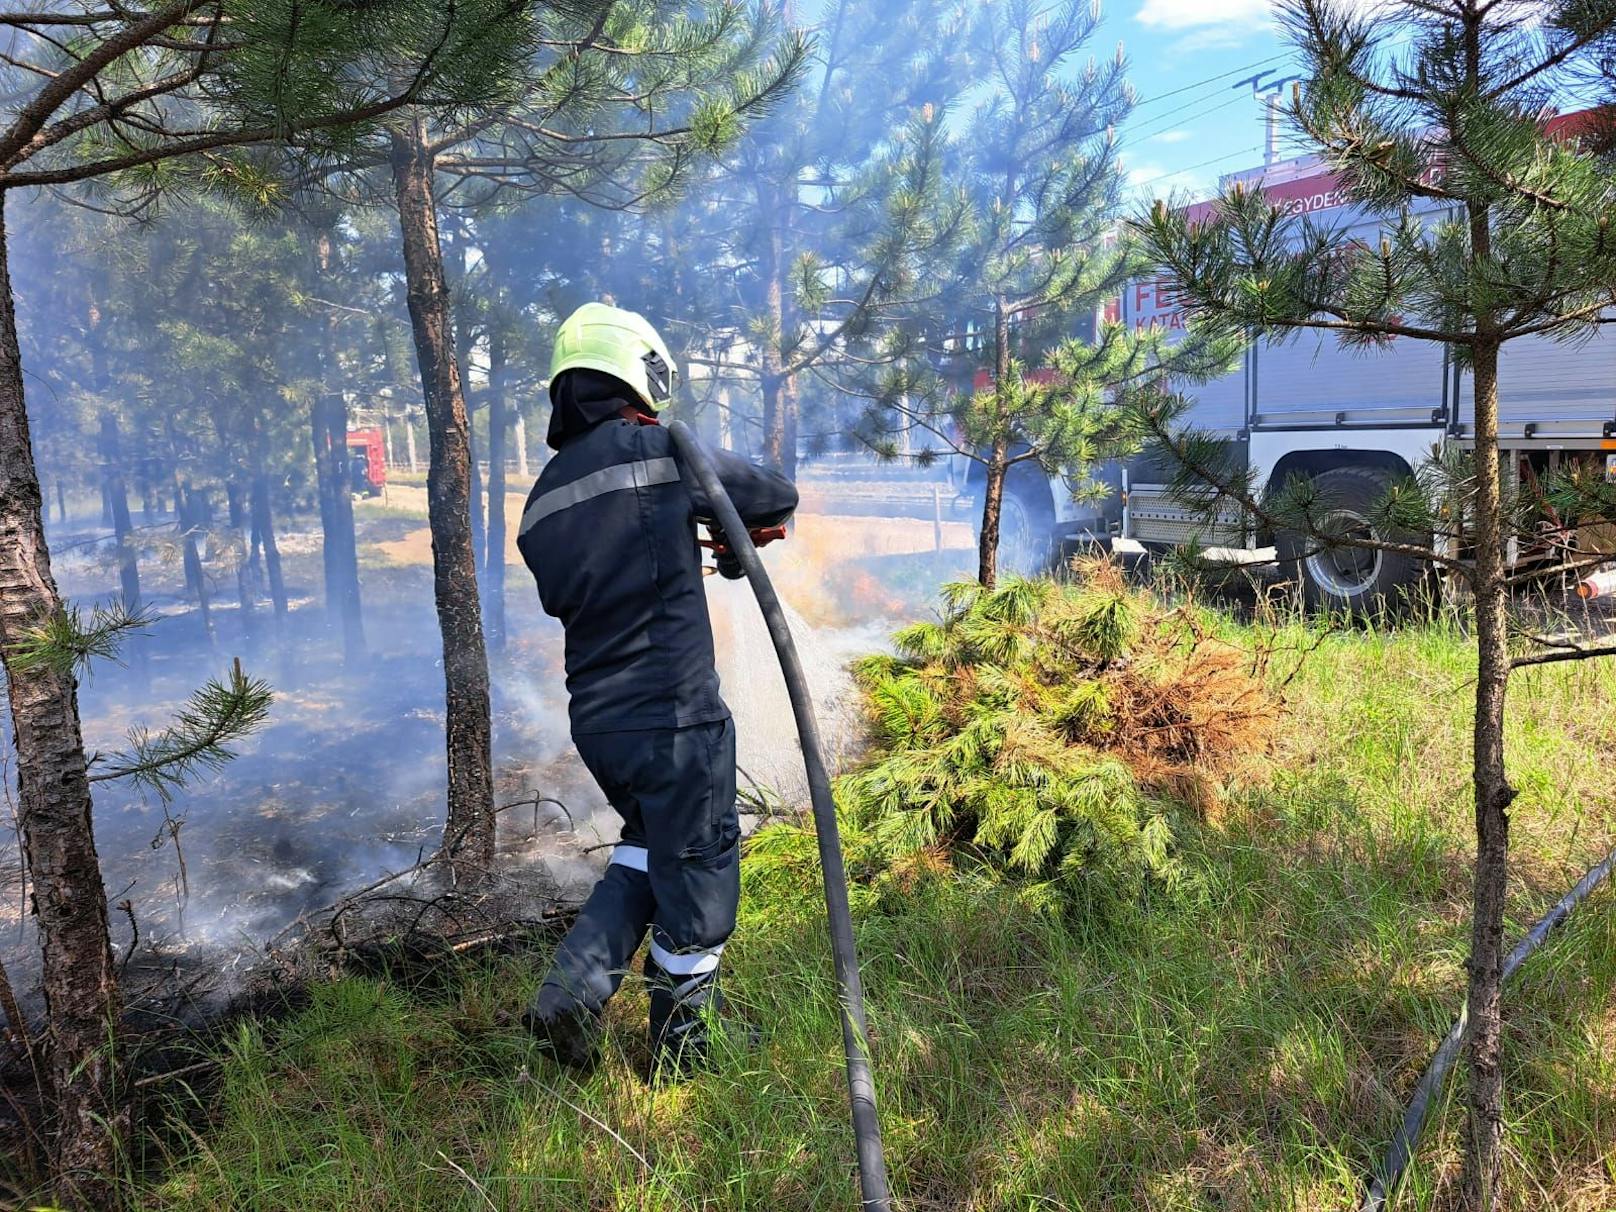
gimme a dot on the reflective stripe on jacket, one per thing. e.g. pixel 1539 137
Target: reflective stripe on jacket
pixel 609 534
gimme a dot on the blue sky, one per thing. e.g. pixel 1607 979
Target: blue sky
pixel 1183 142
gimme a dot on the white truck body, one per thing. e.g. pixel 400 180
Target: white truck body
pixel 1305 405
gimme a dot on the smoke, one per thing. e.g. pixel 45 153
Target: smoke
pixel 346 782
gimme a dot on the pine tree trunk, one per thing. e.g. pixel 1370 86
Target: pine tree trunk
pixel 520 430
pixel 465 339
pixel 196 580
pixel 498 426
pixel 264 525
pixel 791 410
pixel 469 831
pixel 329 418
pixel 69 899
pixel 122 527
pixel 114 492
pixel 328 520
pixel 773 421
pixel 779 427
pixel 263 521
pixel 246 591
pixel 342 539
pixel 987 547
pixel 479 532
pixel 987 550
pixel 1493 795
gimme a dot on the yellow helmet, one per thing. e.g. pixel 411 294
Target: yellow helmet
pixel 619 343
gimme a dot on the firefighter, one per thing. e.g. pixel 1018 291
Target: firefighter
pixel 610 534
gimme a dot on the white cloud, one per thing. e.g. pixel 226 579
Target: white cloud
pixel 1187 14
pixel 1209 38
pixel 1169 136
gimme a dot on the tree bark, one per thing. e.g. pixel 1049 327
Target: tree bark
pixel 773 405
pixel 1493 796
pixel 779 394
pixel 69 899
pixel 196 580
pixel 479 532
pixel 263 521
pixel 469 831
pixel 118 494
pixel 341 544
pixel 246 590
pixel 329 415
pixel 987 549
pixel 465 340
pixel 498 425
pixel 328 519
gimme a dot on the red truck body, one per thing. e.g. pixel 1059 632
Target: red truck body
pixel 367 444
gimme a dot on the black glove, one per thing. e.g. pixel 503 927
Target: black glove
pixel 729 566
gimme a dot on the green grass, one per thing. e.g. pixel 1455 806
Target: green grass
pixel 1244 1041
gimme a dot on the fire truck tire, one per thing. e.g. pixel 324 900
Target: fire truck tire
pixel 1026 528
pixel 1351 579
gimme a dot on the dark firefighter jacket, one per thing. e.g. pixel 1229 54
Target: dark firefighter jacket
pixel 609 532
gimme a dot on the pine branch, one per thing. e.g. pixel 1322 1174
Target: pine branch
pixel 1571 653
pixel 217 715
pixel 67 644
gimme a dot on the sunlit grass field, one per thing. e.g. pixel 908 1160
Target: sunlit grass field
pixel 1242 1040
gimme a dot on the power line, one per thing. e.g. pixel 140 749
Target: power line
pixel 1209 80
pixel 1157 124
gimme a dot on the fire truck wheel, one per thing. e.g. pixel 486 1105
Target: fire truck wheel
pixel 1352 579
pixel 1026 528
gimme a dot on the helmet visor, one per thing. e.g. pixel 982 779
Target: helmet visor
pixel 658 378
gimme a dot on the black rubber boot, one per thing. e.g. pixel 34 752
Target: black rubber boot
pixel 568 1031
pixel 682 1009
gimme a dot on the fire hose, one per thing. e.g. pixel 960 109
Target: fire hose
pixel 855 1037
pixel 1401 1150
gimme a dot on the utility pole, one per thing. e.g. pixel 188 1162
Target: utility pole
pixel 1270 93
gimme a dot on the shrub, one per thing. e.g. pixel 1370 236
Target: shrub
pixel 1045 733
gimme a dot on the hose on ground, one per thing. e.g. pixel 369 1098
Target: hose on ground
pixel 855 1037
pixel 1401 1150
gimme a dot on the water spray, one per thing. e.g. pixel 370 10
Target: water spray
pixel 855 1037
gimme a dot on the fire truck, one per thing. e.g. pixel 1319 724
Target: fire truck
pixel 367 462
pixel 1352 421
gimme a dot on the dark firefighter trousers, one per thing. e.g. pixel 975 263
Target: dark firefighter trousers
pixel 676 869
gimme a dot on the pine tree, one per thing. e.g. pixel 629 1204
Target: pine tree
pixel 1038 165
pixel 1495 226
pixel 612 103
pixel 94 90
pixel 811 234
